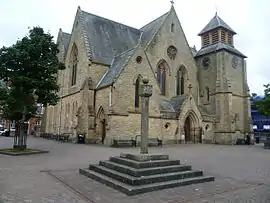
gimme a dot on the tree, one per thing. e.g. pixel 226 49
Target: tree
pixel 29 69
pixel 263 105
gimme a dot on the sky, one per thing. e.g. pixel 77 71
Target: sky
pixel 247 17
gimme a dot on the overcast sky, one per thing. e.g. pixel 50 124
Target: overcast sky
pixel 247 17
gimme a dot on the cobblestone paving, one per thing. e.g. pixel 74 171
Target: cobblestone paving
pixel 242 175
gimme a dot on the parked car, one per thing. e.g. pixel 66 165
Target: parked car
pixel 6 133
pixel 2 131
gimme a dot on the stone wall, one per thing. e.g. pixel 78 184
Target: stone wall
pixel 128 126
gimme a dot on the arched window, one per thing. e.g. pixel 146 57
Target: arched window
pixel 180 81
pixel 162 77
pixel 158 75
pixel 207 93
pixel 163 82
pixel 74 57
pixel 137 90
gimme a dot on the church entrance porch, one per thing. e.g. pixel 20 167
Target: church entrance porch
pixel 192 129
pixel 187 130
pixel 102 130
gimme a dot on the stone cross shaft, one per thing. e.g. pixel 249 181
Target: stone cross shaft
pixel 145 94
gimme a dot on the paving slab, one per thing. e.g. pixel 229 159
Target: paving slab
pixel 242 174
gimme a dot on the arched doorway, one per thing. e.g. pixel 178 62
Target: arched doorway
pixel 101 128
pixel 192 128
pixel 187 129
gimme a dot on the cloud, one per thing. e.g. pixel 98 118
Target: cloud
pixel 247 17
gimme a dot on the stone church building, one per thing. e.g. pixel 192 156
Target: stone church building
pixel 197 94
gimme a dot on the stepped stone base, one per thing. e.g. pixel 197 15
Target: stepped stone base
pixel 134 174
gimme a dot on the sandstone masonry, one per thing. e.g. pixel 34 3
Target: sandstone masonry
pixel 198 96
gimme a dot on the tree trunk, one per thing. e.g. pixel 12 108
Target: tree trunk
pixel 20 137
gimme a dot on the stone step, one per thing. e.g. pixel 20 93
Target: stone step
pixel 131 180
pixel 144 157
pixel 134 190
pixel 145 164
pixel 144 171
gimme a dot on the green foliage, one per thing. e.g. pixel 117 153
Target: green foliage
pixel 29 70
pixel 264 105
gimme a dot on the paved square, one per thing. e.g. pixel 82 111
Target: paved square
pixel 242 174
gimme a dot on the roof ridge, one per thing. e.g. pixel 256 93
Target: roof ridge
pixel 124 52
pixel 110 20
pixel 154 20
pixel 214 23
pixel 66 33
pixel 85 36
pixel 154 34
pixel 125 64
pixel 128 50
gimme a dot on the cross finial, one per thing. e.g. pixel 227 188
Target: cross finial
pixel 172 2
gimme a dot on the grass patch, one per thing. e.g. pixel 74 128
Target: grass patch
pixel 18 152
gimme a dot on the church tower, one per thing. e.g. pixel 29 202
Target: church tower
pixel 223 84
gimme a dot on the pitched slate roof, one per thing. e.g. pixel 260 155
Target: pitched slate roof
pixel 151 28
pixel 171 108
pixel 108 38
pixel 66 39
pixel 216 22
pixel 117 66
pixel 177 102
pixel 218 47
pixel 125 43
pixel 193 51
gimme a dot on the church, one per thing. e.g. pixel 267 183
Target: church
pixel 198 95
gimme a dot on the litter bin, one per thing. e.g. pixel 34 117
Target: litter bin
pixel 81 139
pixel 257 140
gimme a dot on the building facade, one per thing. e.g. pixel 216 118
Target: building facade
pixel 201 94
pixel 261 123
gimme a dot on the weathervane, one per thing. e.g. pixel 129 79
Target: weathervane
pixel 216 8
pixel 172 2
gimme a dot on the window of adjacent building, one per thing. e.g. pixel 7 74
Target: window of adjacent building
pixel 255 127
pixel 215 36
pixel 266 127
pixel 38 122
